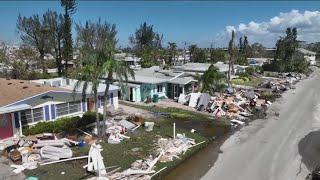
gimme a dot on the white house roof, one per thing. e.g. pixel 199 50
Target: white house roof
pixel 62 83
pixel 193 67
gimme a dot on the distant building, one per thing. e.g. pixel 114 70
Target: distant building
pixel 132 61
pixel 155 81
pixel 308 55
pixel 202 67
pixel 257 61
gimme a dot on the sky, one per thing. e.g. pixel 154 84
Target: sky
pixel 200 22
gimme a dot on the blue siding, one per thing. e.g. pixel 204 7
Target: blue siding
pixel 84 106
pixel 111 98
pixel 53 111
pixel 46 112
pixel 16 120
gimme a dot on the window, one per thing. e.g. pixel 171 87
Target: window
pixel 37 114
pixel 74 107
pixel 68 108
pixel 26 117
pixel 159 88
pixel 62 109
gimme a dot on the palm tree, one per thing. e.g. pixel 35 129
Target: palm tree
pixel 89 76
pixel 172 52
pixel 192 50
pixel 231 50
pixel 212 80
pixel 118 70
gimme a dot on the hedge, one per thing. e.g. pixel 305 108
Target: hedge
pixel 67 124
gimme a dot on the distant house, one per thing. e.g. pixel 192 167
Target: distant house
pixel 257 61
pixel 156 81
pixel 203 67
pixel 24 103
pixel 132 61
pixel 308 55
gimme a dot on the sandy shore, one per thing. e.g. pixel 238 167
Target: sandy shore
pixel 268 149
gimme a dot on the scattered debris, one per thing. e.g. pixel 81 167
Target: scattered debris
pixel 55 153
pixel 148 126
pixel 173 147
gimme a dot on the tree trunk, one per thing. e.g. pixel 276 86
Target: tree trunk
pixel 59 66
pixel 229 70
pixel 105 108
pixel 43 66
pixel 97 113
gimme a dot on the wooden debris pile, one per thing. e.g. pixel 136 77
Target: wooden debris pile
pixel 172 148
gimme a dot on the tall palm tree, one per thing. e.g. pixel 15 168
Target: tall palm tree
pixel 231 50
pixel 172 52
pixel 88 76
pixel 212 80
pixel 118 70
pixel 192 50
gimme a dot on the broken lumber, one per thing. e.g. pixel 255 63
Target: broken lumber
pixel 64 160
pixel 158 172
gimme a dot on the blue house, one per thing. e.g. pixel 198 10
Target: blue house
pixel 25 103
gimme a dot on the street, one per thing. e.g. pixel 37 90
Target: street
pixel 267 149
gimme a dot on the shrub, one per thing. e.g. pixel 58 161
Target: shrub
pixel 237 81
pixel 66 124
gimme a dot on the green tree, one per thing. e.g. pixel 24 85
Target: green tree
pixel 212 81
pixel 200 55
pixel 114 70
pixel 243 54
pixel 258 50
pixel 146 43
pixel 69 9
pixel 87 77
pixel 24 63
pixel 192 50
pixel 172 52
pixel 34 33
pixel 217 55
pixel 54 23
pixel 98 40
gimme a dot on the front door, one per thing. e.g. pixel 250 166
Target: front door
pixel 5 126
pixel 91 105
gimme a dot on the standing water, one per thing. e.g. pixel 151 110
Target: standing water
pixel 197 165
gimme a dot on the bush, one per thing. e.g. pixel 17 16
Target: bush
pixel 245 79
pixel 237 81
pixel 67 124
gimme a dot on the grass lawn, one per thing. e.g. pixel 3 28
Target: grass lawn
pixel 119 154
pixel 122 154
pixel 254 82
pixel 175 114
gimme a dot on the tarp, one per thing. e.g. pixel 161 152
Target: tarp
pixel 204 100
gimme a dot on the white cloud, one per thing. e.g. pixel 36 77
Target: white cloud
pixel 307 23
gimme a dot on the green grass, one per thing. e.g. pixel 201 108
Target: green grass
pixel 118 154
pixel 173 112
pixel 254 82
pixel 121 154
